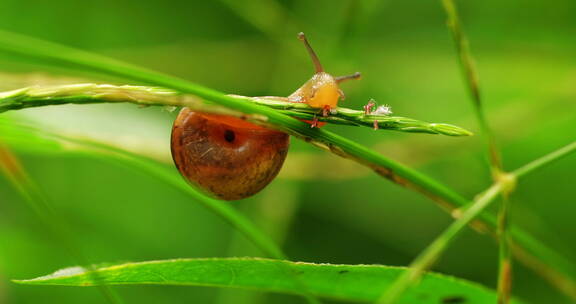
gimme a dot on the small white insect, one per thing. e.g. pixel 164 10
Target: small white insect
pixel 382 110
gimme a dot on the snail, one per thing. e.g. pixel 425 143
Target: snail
pixel 233 159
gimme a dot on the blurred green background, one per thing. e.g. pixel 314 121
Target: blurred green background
pixel 321 208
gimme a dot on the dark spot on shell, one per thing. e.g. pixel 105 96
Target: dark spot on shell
pixel 229 136
pixel 343 271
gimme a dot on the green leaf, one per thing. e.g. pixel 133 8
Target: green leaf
pixel 346 282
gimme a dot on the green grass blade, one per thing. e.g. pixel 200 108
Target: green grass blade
pixel 347 282
pixel 88 93
pixel 471 76
pixel 545 160
pixel 496 168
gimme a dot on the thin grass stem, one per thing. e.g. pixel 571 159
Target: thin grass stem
pixel 471 75
pixel 472 81
pixel 545 160
pixel 504 254
pixel 103 93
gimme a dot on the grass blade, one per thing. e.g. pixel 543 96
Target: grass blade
pixel 545 160
pixel 346 282
pixel 103 93
pixel 471 75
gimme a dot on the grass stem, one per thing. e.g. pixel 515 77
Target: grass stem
pixel 496 168
pixel 545 160
pixel 104 93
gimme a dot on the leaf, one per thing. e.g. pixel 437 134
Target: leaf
pixel 346 282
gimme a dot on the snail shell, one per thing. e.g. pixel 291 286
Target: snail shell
pixel 228 157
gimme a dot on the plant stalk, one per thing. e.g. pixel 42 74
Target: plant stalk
pixel 103 93
pixel 495 159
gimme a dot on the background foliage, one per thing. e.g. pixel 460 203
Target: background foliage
pixel 322 208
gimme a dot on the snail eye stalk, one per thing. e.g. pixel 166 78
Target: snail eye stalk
pixel 317 65
pixel 340 79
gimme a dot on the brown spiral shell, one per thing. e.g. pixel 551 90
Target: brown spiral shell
pixel 228 157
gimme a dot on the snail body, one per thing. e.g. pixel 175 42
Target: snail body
pixel 322 90
pixel 233 159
